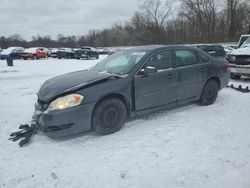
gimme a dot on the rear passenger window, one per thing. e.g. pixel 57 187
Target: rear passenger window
pixel 185 58
pixel 204 58
pixel 161 60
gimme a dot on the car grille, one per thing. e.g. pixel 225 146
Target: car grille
pixel 242 60
pixel 58 128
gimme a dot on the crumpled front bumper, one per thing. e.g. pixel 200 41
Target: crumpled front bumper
pixel 67 122
pixel 243 70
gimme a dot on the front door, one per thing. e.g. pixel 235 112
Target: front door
pixel 159 88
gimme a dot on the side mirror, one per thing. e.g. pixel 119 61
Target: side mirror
pixel 148 70
pixel 212 52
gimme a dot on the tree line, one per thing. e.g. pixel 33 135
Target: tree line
pixel 159 22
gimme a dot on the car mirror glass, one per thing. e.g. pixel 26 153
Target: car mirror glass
pixel 148 70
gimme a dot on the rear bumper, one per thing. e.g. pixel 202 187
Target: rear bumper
pixel 67 122
pixel 225 80
pixel 80 56
pixel 26 55
pixel 243 70
pixel 2 57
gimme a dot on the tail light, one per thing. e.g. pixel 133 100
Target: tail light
pixel 227 65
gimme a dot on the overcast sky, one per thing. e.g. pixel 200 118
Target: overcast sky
pixel 52 17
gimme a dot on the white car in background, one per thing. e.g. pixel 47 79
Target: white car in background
pixel 239 59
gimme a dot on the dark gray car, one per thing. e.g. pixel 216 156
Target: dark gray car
pixel 129 83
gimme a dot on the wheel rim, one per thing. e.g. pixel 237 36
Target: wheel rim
pixel 110 116
pixel 210 93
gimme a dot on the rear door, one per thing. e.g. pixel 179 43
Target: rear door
pixel 158 88
pixel 192 73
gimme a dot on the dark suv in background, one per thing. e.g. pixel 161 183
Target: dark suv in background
pixel 214 50
pixel 11 52
pixel 65 53
pixel 86 53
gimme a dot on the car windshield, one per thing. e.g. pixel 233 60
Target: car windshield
pixel 246 43
pixel 242 40
pixel 8 50
pixel 120 63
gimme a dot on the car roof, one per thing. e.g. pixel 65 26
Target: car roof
pixel 159 47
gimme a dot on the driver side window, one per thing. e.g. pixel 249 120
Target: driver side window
pixel 161 61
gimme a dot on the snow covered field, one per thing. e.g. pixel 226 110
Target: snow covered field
pixel 187 147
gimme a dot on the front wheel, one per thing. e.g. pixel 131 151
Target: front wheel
pixel 109 116
pixel 209 93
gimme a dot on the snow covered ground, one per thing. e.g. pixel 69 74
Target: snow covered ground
pixel 187 147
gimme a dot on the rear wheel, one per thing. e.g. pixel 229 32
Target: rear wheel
pixel 109 116
pixel 209 93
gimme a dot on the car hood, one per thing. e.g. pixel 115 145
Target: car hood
pixel 6 52
pixel 71 82
pixel 241 51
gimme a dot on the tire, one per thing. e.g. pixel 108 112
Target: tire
pixel 109 116
pixel 209 93
pixel 233 76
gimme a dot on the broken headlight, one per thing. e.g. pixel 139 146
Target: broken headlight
pixel 66 102
pixel 233 58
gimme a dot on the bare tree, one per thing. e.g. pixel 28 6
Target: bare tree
pixel 157 11
pixel 231 7
pixel 202 16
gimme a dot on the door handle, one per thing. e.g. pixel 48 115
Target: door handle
pixel 202 69
pixel 170 76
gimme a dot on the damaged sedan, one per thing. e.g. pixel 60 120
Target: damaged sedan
pixel 129 83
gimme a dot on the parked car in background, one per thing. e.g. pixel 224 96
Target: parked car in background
pixel 66 53
pixel 129 83
pixel 86 53
pixel 34 53
pixel 53 52
pixel 239 60
pixel 214 50
pixel 113 50
pixel 11 52
pixel 102 51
